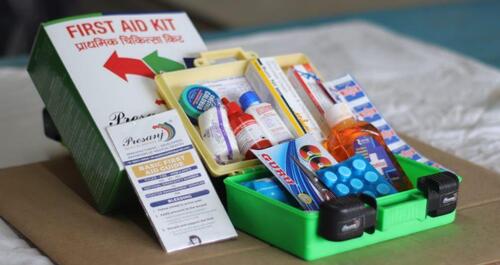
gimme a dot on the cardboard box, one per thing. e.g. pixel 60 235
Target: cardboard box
pixel 95 71
pixel 49 205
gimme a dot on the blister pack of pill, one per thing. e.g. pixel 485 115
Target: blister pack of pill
pixel 353 176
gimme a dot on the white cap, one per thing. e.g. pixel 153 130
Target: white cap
pixel 337 113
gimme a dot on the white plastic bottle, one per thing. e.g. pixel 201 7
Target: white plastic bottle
pixel 267 118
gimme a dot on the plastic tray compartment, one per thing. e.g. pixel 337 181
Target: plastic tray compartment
pixel 170 86
pixel 295 231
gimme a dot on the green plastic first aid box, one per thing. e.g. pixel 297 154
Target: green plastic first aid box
pixel 280 224
pixel 295 231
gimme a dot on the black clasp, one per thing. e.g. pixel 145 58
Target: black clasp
pixel 347 217
pixel 441 190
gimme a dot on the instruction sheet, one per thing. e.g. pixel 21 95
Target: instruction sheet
pixel 171 182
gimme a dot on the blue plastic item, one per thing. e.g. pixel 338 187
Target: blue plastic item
pixel 267 187
pixel 248 98
pixel 353 176
pixel 196 99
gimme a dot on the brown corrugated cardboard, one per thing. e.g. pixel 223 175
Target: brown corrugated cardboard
pixel 47 203
pixel 472 239
pixel 479 185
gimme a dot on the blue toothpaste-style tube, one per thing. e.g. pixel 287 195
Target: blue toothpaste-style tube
pixel 281 161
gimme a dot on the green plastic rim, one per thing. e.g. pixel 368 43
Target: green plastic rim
pixel 295 231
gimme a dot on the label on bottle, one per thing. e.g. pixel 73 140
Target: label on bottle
pixel 270 122
pixel 378 157
pixel 247 134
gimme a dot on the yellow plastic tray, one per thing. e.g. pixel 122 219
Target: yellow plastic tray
pixel 170 86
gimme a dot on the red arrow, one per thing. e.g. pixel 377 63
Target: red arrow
pixel 122 67
pixel 160 101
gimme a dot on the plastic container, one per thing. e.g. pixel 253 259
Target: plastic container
pixel 295 231
pixel 349 136
pixel 197 99
pixel 249 134
pixel 217 135
pixel 278 223
pixel 267 118
pixel 171 85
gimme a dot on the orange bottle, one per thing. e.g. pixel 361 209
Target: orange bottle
pixel 349 136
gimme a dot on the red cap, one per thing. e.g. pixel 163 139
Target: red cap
pixel 231 106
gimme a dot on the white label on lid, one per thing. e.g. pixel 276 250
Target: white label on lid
pixel 112 61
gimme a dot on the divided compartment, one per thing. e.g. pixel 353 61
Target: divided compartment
pixel 277 223
pixel 295 231
pixel 170 86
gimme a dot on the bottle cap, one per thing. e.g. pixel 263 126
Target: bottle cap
pixel 231 106
pixel 248 98
pixel 337 113
pixel 196 99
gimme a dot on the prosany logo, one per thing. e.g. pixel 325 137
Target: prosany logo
pixel 167 133
pixel 167 128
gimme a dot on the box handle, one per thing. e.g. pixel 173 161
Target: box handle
pixel 209 57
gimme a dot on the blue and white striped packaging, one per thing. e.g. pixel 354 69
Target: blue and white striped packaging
pixel 348 90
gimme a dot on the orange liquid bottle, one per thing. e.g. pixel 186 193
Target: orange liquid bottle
pixel 349 136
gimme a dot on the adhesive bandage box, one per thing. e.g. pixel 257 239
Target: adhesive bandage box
pixel 312 91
